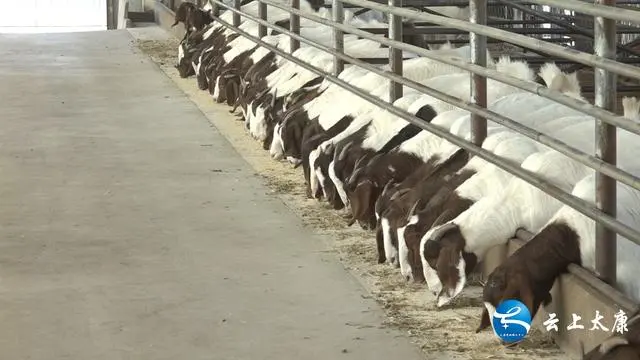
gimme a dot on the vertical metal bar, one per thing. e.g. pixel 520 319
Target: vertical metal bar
pixel 294 26
pixel 478 11
pixel 236 17
pixel 110 15
pixel 262 13
pixel 606 144
pixel 395 55
pixel 338 36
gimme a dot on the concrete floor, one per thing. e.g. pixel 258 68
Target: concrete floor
pixel 130 229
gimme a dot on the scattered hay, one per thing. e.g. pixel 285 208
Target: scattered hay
pixel 161 52
pixel 408 306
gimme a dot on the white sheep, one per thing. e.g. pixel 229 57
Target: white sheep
pixel 492 220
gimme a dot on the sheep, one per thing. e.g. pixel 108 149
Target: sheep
pixel 232 76
pixel 380 133
pixel 181 13
pixel 339 172
pixel 192 45
pixel 291 77
pixel 243 49
pixel 445 83
pixel 422 67
pixel 250 8
pixel 194 19
pixel 491 221
pixel 290 82
pixel 431 141
pixel 467 228
pixel 568 237
pixel 450 201
pixel 495 90
pixel 418 69
pixel 573 234
pixel 389 220
pixel 289 134
pixel 508 106
pixel 513 105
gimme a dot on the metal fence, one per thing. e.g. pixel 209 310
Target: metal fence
pixel 554 26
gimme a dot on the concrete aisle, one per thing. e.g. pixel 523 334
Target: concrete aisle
pixel 130 229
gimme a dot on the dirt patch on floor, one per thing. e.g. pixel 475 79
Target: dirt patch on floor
pixel 440 333
pixel 162 52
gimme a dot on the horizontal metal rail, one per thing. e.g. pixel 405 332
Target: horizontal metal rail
pixel 464 3
pixel 587 109
pixel 578 204
pixel 553 143
pixel 509 37
pixel 531 31
pixel 544 139
pixel 608 12
pixel 566 24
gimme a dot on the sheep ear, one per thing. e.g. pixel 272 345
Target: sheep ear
pixel 343 153
pixel 441 219
pixel 442 230
pixel 611 343
pixel 273 100
pixel 399 193
pixel 232 96
pixel 526 294
pixel 329 149
pixel 359 161
pixel 458 159
pixel 386 186
pixel 413 210
pixel 380 245
pixel 485 322
pixel 375 158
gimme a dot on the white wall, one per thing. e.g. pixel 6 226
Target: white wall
pixel 38 16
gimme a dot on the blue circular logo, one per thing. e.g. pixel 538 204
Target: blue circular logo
pixel 511 321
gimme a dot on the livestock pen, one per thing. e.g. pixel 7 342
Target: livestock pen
pixel 597 40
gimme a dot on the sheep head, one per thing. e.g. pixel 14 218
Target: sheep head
pixel 361 201
pixel 447 265
pixel 415 227
pixel 504 283
pixel 181 13
pixel 291 132
pixel 226 90
pixel 185 54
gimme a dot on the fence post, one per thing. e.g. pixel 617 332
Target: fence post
pixel 111 15
pixel 606 147
pixel 236 16
pixel 478 11
pixel 338 36
pixel 294 26
pixel 395 55
pixel 262 13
